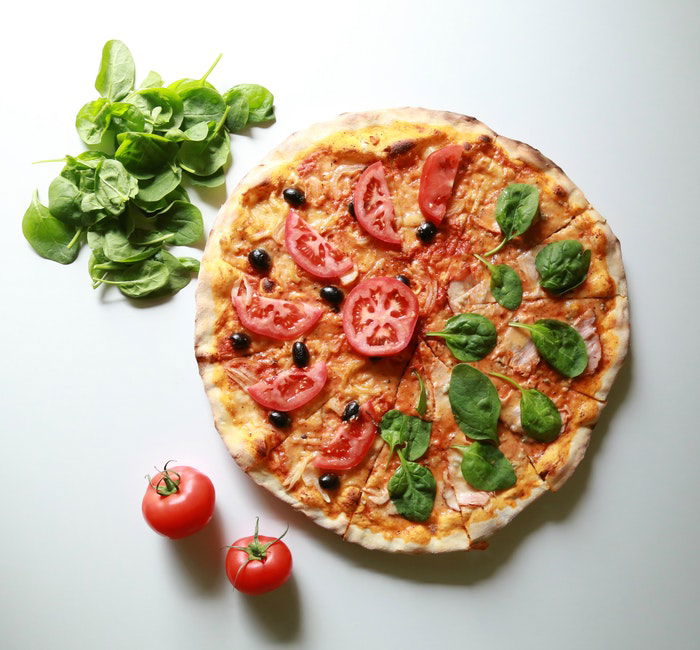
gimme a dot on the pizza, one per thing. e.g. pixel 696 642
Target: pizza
pixel 407 327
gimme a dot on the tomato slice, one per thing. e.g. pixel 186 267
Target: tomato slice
pixel 373 207
pixel 379 316
pixel 291 388
pixel 350 444
pixel 436 181
pixel 312 251
pixel 279 319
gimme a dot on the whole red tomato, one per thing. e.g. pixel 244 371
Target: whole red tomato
pixel 258 564
pixel 179 501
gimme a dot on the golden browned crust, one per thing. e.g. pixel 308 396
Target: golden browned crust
pixel 393 135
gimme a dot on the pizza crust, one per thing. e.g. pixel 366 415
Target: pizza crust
pixel 239 431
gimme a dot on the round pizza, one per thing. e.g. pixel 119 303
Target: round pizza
pixel 407 327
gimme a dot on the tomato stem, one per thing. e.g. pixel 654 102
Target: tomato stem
pixel 171 485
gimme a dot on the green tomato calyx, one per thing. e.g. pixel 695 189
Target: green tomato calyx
pixel 166 484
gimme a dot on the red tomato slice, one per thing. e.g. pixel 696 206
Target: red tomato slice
pixel 436 181
pixel 350 443
pixel 313 252
pixel 291 388
pixel 379 316
pixel 283 320
pixel 373 207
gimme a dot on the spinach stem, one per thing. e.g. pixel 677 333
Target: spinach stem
pixel 76 238
pixel 37 162
pixel 486 263
pixel 508 379
pixel 495 250
pixel 213 65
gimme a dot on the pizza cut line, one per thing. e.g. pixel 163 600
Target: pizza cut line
pixel 407 327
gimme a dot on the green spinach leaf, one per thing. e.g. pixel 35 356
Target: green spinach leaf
pixel 162 107
pixel 260 102
pixel 213 180
pixel 506 287
pixel 49 237
pixel 539 416
pixel 560 345
pixel 145 155
pixel 412 490
pixel 562 265
pixel 114 186
pixel 184 221
pixel 485 467
pixel 516 207
pixel 237 117
pixel 475 403
pixel 399 429
pixel 208 156
pixel 93 121
pixel 201 105
pixel 152 80
pixel 64 201
pixel 470 337
pixel 115 78
pixel 155 189
pixel 138 280
pixel 117 248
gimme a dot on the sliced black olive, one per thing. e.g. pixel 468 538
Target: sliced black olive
pixel 426 232
pixel 351 209
pixel 404 279
pixel 239 340
pixel 329 481
pixel 351 410
pixel 294 196
pixel 279 419
pixel 300 354
pixel 332 295
pixel 260 260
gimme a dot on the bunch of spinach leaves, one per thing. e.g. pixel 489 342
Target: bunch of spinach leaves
pixel 124 197
pixel 412 487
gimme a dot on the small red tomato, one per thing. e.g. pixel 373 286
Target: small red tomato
pixel 258 564
pixel 179 501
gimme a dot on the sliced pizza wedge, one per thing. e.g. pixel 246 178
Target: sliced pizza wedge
pixel 407 503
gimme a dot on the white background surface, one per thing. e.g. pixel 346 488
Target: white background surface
pixel 95 390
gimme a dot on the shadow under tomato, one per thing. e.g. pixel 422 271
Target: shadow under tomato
pixel 460 568
pixel 202 557
pixel 277 614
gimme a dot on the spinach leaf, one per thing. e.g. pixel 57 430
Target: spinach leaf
pixel 516 207
pixel 117 248
pixel 155 189
pixel 201 105
pixel 162 204
pixel 399 429
pixel 93 121
pixel 183 221
pixel 422 405
pixel 152 80
pixel 213 180
pixel 49 237
pixel 138 280
pixel 125 117
pixel 506 287
pixel 195 133
pixel 189 263
pixel 206 157
pixel 485 467
pixel 260 102
pixel 562 265
pixel 539 416
pixel 560 345
pixel 238 115
pixel 412 490
pixel 470 337
pixel 115 78
pixel 114 186
pixel 145 155
pixel 162 107
pixel 64 201
pixel 475 403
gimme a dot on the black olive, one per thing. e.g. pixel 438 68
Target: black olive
pixel 351 209
pixel 351 410
pixel 404 279
pixel 300 354
pixel 329 481
pixel 294 196
pixel 259 259
pixel 426 231
pixel 239 340
pixel 332 295
pixel 279 419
